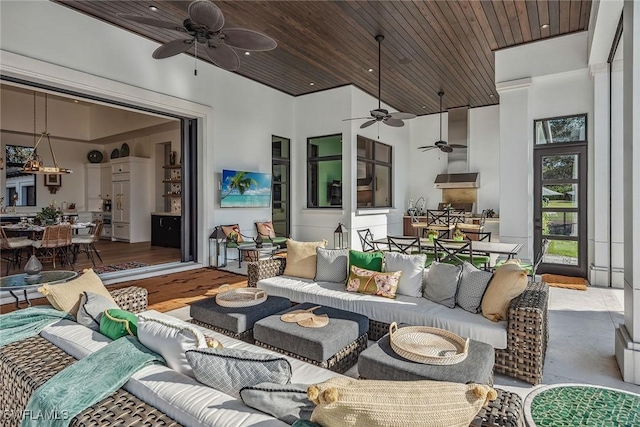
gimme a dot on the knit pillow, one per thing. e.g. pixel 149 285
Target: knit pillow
pixel 66 296
pixel 373 282
pixel 345 402
pixel 509 281
pixel 301 258
pixel 332 265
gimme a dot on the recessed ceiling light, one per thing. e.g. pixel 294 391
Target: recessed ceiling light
pixel 153 8
pixel 75 100
pixel 424 106
pixel 311 84
pixel 370 70
pixel 490 95
pixel 247 53
pixel 543 26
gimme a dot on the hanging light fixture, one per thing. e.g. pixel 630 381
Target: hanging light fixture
pixel 34 163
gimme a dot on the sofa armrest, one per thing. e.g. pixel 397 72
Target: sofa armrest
pixel 264 269
pixel 527 335
pixel 133 298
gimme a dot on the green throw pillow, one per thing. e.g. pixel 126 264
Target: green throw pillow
pixel 116 323
pixel 367 260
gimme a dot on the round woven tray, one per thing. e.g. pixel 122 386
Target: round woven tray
pixel 243 297
pixel 431 346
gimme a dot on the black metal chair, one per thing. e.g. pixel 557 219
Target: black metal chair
pixel 405 245
pixel 453 251
pixel 366 240
pixel 478 236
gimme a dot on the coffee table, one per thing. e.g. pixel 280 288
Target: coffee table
pixel 335 346
pixel 20 282
pixel 267 248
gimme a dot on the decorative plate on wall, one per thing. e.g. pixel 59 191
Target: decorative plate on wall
pixel 115 154
pixel 124 150
pixel 94 156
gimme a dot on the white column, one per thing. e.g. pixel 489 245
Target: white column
pixel 516 165
pixel 628 334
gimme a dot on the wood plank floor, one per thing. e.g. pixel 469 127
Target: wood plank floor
pixel 171 291
pixel 116 253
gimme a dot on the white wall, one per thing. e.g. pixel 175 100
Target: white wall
pixel 484 155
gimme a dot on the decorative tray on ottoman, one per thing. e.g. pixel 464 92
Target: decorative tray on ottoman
pixel 427 345
pixel 243 297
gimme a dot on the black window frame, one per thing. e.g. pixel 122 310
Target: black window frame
pixel 286 162
pixel 374 162
pixel 317 159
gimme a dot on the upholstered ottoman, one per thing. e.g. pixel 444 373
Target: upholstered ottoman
pixel 236 322
pixel 335 346
pixel 380 362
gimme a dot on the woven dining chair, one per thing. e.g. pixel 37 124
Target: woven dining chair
pixel 55 243
pixel 86 243
pixel 12 249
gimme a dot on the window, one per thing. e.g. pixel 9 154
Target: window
pixel 560 130
pixel 280 206
pixel 20 188
pixel 324 171
pixel 375 172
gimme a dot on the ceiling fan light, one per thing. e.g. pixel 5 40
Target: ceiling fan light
pixel 153 8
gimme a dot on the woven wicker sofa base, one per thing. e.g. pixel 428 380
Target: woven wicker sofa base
pixel 246 336
pixel 26 365
pixel 339 362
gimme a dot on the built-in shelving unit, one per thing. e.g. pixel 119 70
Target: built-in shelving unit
pixel 173 186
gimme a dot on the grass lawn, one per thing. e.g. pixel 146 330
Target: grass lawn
pixel 563 248
pixel 560 204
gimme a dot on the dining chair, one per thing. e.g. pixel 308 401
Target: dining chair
pixel 531 269
pixel 366 240
pixel 55 242
pixel 404 244
pixel 86 243
pixel 453 251
pixel 12 248
pixel 478 236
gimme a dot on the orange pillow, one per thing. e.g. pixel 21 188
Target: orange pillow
pixel 265 229
pixel 232 232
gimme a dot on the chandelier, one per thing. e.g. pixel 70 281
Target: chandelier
pixel 34 163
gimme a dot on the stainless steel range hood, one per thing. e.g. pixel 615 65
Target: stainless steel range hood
pixel 457 180
pixel 458 175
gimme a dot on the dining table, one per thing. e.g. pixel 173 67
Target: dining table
pixel 499 248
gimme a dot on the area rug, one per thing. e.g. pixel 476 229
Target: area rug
pixel 566 282
pixel 581 405
pixel 119 267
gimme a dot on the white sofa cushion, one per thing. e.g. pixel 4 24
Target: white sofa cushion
pixel 403 309
pixel 180 397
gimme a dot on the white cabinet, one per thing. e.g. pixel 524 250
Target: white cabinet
pixel 131 199
pixel 92 175
pixel 105 182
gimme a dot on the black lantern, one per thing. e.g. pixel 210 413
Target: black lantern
pixel 341 237
pixel 218 248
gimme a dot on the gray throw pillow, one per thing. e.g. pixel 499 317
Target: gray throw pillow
pixel 287 403
pixel 442 284
pixel 473 283
pixel 229 370
pixel 332 265
pixel 91 308
pixel 411 266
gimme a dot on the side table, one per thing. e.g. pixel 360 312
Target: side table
pixel 21 282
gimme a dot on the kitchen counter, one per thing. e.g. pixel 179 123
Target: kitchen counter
pixel 167 213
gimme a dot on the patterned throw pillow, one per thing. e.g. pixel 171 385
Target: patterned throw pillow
pixel 373 282
pixel 265 229
pixel 233 233
pixel 332 265
pixel 473 284
pixel 230 370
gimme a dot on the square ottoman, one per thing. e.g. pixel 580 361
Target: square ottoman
pixel 335 346
pixel 380 362
pixel 236 322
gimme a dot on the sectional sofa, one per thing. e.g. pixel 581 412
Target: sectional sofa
pixel 520 342
pixel 157 395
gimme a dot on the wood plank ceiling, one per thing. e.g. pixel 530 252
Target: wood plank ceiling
pixel 428 46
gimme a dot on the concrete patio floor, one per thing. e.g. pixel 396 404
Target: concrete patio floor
pixel 581 340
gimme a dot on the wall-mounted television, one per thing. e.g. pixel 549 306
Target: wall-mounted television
pixel 241 189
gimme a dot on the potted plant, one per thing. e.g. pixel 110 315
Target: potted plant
pixel 432 235
pixel 459 235
pixel 48 215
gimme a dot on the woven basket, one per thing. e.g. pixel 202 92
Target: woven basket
pixel 243 297
pixel 431 346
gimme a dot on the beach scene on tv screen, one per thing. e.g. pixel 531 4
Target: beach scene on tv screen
pixel 242 189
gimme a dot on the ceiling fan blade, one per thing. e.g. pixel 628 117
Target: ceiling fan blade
pixel 244 39
pixel 457 146
pixel 207 14
pixel 357 118
pixel 446 148
pixel 173 48
pixel 402 116
pixel 427 148
pixel 367 124
pixel 396 123
pixel 223 56
pixel 154 22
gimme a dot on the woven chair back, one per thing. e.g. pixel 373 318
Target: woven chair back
pixel 56 236
pixel 97 230
pixel 4 242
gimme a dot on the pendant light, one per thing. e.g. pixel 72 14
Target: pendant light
pixel 34 163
